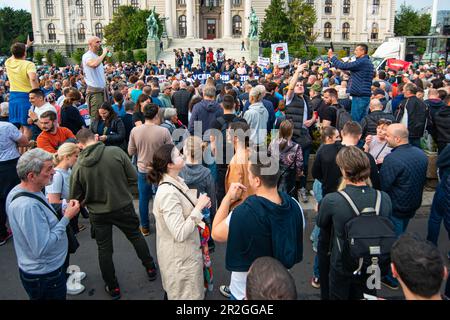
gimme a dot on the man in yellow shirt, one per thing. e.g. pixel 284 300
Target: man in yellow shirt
pixel 22 78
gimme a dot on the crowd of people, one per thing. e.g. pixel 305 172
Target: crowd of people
pixel 226 161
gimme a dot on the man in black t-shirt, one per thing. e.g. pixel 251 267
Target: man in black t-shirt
pixel 328 111
pixel 221 149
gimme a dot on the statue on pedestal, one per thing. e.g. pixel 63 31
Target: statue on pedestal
pixel 152 26
pixel 253 34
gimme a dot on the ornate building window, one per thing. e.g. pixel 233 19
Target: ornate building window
pixel 99 30
pixel 98 8
pixel 237 26
pixel 79 7
pixel 346 31
pixel 327 30
pixel 81 32
pixel 49 8
pixel 374 32
pixel 376 7
pixel 51 31
pixel 237 3
pixel 346 8
pixel 310 2
pixel 135 4
pixel 328 6
pixel 115 6
pixel 182 26
pixel 181 2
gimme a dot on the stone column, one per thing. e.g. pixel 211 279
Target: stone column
pixel 247 13
pixel 62 20
pixel 365 15
pixel 38 36
pixel 388 15
pixel 338 15
pixel 168 14
pixel 88 8
pixel 189 19
pixel 227 19
pixel 319 11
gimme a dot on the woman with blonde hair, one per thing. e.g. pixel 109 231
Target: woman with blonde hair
pixel 58 195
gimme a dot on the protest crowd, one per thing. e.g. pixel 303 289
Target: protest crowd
pixel 221 149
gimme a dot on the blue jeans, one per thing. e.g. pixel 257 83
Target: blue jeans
pixel 50 286
pixel 439 210
pixel 146 191
pixel 316 272
pixel 203 65
pixel 400 225
pixel 303 179
pixel 360 108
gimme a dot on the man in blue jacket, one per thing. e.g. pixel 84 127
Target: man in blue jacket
pixel 403 176
pixel 360 83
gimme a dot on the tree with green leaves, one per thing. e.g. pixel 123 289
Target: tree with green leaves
pixel 408 22
pixel 14 27
pixel 128 29
pixel 302 17
pixel 275 27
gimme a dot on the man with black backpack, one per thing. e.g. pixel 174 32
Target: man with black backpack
pixel 222 150
pixel 333 114
pixel 361 232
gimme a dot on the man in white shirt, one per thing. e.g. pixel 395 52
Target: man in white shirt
pixel 95 75
pixel 38 107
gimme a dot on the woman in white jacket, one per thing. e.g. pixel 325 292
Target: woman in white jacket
pixel 178 214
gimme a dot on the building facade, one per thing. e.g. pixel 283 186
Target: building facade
pixel 65 25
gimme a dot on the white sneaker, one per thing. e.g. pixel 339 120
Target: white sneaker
pixel 74 288
pixel 81 275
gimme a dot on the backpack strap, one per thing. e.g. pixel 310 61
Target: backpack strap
pixel 222 122
pixel 169 183
pixel 378 203
pixel 350 202
pixel 31 195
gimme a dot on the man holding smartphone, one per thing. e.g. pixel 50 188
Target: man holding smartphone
pixel 360 82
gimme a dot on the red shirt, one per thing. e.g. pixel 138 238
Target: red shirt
pixel 50 142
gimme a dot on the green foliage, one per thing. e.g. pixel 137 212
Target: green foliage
pixel 302 17
pixel 128 29
pixel 77 55
pixel 313 52
pixel 129 57
pixel 14 27
pixel 341 54
pixel 119 56
pixel 408 22
pixel 59 59
pixel 323 51
pixel 140 55
pixel 38 57
pixel 49 57
pixel 275 27
pixel 267 52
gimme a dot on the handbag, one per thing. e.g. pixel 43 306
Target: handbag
pixel 72 239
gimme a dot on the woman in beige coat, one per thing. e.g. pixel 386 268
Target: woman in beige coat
pixel 178 214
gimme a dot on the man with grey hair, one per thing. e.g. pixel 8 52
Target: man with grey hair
pixel 257 115
pixel 40 238
pixel 180 100
pixel 171 123
pixel 370 122
pixel 205 112
pixel 267 104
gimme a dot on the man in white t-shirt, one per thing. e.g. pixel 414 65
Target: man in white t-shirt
pixel 269 223
pixel 38 107
pixel 95 75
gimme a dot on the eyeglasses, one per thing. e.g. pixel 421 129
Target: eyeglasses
pixel 383 121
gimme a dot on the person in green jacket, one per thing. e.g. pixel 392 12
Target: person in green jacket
pixel 102 178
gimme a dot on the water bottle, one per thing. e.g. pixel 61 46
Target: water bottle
pixel 206 213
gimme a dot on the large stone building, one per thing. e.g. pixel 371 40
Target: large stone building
pixel 66 24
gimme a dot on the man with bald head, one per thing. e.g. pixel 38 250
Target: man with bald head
pixel 95 75
pixel 403 176
pixel 370 122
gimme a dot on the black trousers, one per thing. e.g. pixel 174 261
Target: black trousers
pixel 9 179
pixel 344 287
pixel 101 230
pixel 220 185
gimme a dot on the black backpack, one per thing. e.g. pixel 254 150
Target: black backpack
pixel 368 239
pixel 342 117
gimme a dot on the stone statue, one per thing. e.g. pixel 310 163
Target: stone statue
pixel 253 34
pixel 152 26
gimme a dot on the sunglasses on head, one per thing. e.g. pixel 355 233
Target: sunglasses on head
pixel 383 121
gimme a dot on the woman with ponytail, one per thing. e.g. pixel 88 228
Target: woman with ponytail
pixel 118 105
pixel 70 116
pixel 178 215
pixel 58 194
